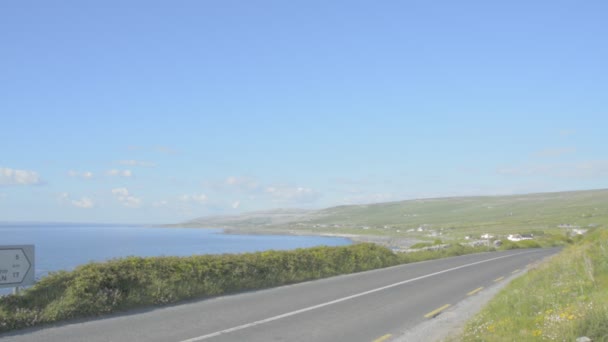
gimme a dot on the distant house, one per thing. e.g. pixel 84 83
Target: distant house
pixel 519 237
pixel 567 225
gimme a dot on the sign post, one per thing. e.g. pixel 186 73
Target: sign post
pixel 17 266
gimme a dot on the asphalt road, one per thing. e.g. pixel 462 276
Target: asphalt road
pixel 370 306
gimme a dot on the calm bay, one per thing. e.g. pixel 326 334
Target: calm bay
pixel 65 246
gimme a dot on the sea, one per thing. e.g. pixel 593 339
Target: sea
pixel 65 246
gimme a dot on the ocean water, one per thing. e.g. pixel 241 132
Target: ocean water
pixel 65 246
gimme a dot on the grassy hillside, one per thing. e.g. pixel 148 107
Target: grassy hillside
pixel 453 217
pixel 561 300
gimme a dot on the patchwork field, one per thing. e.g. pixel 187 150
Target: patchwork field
pixel 429 219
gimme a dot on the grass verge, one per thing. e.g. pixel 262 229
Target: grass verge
pixel 561 300
pixel 100 288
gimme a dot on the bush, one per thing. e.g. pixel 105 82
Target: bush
pixel 528 244
pixel 120 284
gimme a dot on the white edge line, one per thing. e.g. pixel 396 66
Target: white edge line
pixel 339 300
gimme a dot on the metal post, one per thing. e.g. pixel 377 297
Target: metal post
pixel 16 290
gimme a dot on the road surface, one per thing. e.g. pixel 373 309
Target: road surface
pixel 373 306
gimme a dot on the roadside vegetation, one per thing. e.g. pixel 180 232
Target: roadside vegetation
pixel 100 288
pixel 560 300
pixel 563 298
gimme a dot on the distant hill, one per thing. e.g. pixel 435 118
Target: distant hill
pixel 460 215
pixel 267 218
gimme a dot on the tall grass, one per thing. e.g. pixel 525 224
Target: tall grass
pixel 100 288
pixel 561 300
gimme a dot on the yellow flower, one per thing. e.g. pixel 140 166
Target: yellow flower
pixel 537 332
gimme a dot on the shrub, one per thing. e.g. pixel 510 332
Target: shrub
pixel 528 244
pixel 120 284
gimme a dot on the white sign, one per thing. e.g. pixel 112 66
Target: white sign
pixel 16 266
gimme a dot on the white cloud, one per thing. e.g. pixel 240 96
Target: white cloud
pixel 10 176
pixel 83 175
pixel 292 194
pixel 120 173
pixel 120 192
pixel 369 198
pixel 554 152
pixel 84 202
pixel 64 196
pixel 242 183
pixel 254 190
pixel 137 163
pixel 200 198
pixel 159 204
pixel 166 150
pixel 581 170
pixel 125 198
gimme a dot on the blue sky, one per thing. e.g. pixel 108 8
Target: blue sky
pixel 163 111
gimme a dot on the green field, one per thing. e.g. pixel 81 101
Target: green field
pixel 454 218
pixel 561 300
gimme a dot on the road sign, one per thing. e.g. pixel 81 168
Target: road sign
pixel 16 266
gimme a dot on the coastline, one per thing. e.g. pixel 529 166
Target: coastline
pixel 385 241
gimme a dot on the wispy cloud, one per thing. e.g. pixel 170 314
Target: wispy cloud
pixel 567 132
pixel 84 175
pixel 10 176
pixel 582 170
pixel 292 194
pixel 159 204
pixel 125 198
pixel 84 202
pixel 249 189
pixel 160 149
pixel 197 198
pixel 135 148
pixel 166 150
pixel 132 162
pixel 353 181
pixel 554 152
pixel 369 198
pixel 242 183
pixel 120 173
pixel 64 196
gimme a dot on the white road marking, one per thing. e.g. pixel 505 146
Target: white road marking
pixel 339 300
